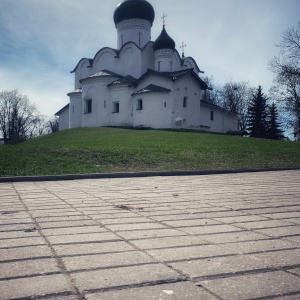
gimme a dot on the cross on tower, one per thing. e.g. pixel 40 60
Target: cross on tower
pixel 164 16
pixel 182 47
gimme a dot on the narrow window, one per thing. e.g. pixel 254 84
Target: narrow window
pixel 104 103
pixel 140 39
pixel 185 102
pixel 158 66
pixel 212 115
pixel 171 65
pixel 116 107
pixel 165 104
pixel 139 104
pixel 88 106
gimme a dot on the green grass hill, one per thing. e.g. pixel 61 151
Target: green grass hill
pixel 107 150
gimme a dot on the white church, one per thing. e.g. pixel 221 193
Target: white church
pixel 141 83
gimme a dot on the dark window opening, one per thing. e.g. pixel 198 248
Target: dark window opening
pixel 212 115
pixel 185 102
pixel 116 107
pixel 139 105
pixel 158 66
pixel 88 106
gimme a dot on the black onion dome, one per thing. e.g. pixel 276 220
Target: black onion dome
pixel 164 41
pixel 134 9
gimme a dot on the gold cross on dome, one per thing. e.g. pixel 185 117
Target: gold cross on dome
pixel 182 47
pixel 164 16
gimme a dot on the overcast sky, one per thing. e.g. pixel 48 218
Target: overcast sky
pixel 41 41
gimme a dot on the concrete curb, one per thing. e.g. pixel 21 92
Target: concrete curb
pixel 136 174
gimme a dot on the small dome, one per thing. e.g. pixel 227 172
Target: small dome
pixel 164 41
pixel 134 9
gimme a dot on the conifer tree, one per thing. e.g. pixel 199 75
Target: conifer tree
pixel 257 115
pixel 274 131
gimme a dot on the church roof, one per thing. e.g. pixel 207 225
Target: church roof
pixel 103 73
pixel 76 91
pixel 174 76
pixel 151 88
pixel 125 80
pixel 164 41
pixel 134 9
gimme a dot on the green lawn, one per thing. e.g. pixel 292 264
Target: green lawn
pixel 106 150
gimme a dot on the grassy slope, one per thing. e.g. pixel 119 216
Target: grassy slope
pixel 98 150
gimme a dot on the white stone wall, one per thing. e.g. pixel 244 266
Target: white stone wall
pixel 63 120
pixel 222 121
pixel 121 94
pixel 75 110
pixel 156 112
pixel 96 90
pixel 188 88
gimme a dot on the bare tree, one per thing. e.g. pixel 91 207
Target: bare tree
pixel 19 118
pixel 212 94
pixel 53 124
pixel 286 66
pixel 235 97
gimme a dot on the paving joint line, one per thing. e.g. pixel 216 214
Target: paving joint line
pixel 59 261
pixel 29 276
pixel 126 240
pixel 278 296
pixel 45 297
pixel 138 285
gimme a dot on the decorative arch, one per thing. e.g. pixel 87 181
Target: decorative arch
pixel 190 63
pixel 104 59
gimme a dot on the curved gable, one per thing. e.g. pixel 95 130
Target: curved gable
pixel 177 60
pixel 82 70
pixel 190 63
pixel 83 60
pixel 130 60
pixel 105 59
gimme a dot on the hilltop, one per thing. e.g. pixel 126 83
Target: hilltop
pixel 107 150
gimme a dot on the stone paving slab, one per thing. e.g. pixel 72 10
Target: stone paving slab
pixel 230 236
pixel 180 291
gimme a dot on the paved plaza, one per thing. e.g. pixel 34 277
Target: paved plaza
pixel 233 236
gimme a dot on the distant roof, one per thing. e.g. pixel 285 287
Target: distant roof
pixel 64 108
pixel 216 106
pixel 151 88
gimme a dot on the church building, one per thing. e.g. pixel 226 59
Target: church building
pixel 141 83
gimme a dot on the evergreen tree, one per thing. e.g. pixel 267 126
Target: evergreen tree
pixel 274 131
pixel 257 115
